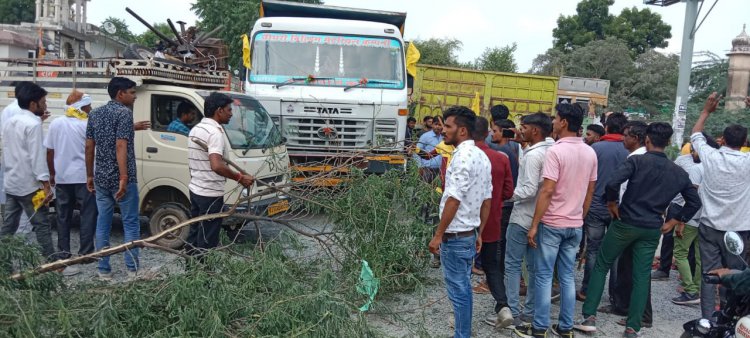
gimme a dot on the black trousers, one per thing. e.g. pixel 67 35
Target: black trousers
pixel 204 235
pixel 66 197
pixel 623 285
pixel 491 264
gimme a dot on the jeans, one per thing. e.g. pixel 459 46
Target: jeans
pixel 596 226
pixel 204 235
pixel 516 249
pixel 556 246
pixel 131 226
pixel 456 255
pixel 620 236
pixel 14 207
pixel 691 278
pixel 66 196
pixel 714 255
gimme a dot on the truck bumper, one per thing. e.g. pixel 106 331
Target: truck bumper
pixel 305 167
pixel 269 207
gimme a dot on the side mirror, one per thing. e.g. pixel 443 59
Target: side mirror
pixel 734 243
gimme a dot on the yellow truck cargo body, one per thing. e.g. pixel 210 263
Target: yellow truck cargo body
pixel 437 88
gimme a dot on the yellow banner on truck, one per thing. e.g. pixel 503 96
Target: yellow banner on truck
pixel 437 88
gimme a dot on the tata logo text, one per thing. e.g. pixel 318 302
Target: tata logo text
pixel 323 110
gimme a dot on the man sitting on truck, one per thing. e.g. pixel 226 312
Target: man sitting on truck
pixel 186 113
pixel 209 173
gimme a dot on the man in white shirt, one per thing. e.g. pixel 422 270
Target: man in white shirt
pixel 464 207
pixel 209 172
pixel 725 194
pixel 535 129
pixel 25 167
pixel 24 226
pixel 66 161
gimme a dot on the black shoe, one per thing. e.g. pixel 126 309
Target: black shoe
pixel 527 331
pixel 687 299
pixel 562 333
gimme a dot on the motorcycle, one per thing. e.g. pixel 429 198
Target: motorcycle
pixel 733 320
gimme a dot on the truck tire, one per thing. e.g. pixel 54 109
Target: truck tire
pixel 166 216
pixel 138 52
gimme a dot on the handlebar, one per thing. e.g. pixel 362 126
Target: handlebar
pixel 711 279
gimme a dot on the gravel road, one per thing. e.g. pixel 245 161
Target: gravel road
pixel 426 312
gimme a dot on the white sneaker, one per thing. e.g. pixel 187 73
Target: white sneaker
pixel 71 271
pixel 104 276
pixel 504 318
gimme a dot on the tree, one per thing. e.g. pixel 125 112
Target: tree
pixel 150 39
pixel 600 59
pixel 587 25
pixel 122 30
pixel 551 63
pixel 652 85
pixel 237 17
pixel 498 59
pixel 708 78
pixel 439 52
pixel 640 29
pixel 14 12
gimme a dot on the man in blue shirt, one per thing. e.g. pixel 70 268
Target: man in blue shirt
pixel 185 114
pixel 430 168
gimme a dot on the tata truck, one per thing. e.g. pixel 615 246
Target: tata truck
pixel 254 142
pixel 334 81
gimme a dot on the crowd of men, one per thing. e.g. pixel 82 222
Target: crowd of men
pixel 87 158
pixel 537 197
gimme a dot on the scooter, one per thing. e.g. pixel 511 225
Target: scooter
pixel 733 320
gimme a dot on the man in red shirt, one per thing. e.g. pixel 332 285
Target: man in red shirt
pixel 492 259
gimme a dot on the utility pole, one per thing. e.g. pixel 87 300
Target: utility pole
pixel 686 62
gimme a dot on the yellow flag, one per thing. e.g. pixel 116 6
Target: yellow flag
pixel 475 104
pixel 246 51
pixel 412 57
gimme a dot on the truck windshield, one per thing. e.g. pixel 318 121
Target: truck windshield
pixel 250 126
pixel 327 60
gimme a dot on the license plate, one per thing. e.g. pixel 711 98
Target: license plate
pixel 278 207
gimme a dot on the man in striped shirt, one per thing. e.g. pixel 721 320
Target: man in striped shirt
pixel 209 172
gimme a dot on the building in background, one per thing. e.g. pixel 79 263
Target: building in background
pixel 739 72
pixel 60 31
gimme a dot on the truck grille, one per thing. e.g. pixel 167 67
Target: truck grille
pixel 334 133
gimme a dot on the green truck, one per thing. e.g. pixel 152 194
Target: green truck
pixel 436 88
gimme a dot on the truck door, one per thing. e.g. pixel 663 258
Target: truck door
pixel 164 149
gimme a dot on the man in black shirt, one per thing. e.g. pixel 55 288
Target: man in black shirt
pixel 653 181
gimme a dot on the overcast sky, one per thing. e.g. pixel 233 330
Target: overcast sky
pixel 479 23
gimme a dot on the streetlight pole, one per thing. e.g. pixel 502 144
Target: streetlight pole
pixel 686 61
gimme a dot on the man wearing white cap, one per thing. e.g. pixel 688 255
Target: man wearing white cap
pixel 66 159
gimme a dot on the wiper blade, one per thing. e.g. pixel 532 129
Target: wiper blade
pixel 308 79
pixel 364 82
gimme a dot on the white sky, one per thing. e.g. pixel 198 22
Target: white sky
pixel 478 23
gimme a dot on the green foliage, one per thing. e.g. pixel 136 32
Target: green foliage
pixel 237 17
pixel 16 11
pixel 498 59
pixel 150 39
pixel 641 30
pixel 123 31
pixel 717 121
pixel 708 78
pixel 262 294
pixel 378 217
pixel 552 63
pixel 439 52
pixel 651 86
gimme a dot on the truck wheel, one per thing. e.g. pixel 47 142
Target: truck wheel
pixel 166 216
pixel 138 52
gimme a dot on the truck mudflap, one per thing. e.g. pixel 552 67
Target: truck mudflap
pixel 377 164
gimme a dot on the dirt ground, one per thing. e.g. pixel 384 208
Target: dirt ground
pixel 424 312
